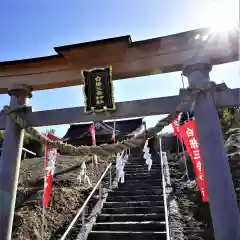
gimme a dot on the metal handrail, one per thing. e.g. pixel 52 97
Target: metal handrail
pixel 26 150
pixel 81 210
pixel 164 191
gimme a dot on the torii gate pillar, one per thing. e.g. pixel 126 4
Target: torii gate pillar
pixel 222 197
pixel 10 163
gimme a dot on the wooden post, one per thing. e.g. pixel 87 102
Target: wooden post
pixel 10 164
pixel 222 197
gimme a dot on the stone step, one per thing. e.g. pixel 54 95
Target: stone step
pixel 136 210
pixel 143 164
pixel 135 198
pixel 140 185
pixel 136 160
pixel 142 170
pixel 131 217
pixel 140 156
pixel 135 192
pixel 143 180
pixel 133 157
pixel 141 176
pixel 130 226
pixel 140 167
pixel 120 235
pixel 141 161
pixel 136 163
pixel 133 204
pixel 151 181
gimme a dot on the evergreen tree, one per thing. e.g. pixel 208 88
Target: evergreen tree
pixel 29 143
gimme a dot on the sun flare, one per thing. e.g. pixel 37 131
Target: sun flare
pixel 223 15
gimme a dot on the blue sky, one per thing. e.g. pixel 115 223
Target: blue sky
pixel 32 28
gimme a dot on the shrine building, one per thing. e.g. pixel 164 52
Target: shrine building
pixel 79 134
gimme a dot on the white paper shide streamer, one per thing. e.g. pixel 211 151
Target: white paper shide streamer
pixel 147 155
pixel 82 176
pixel 120 162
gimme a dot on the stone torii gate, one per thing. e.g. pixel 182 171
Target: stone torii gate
pixel 129 59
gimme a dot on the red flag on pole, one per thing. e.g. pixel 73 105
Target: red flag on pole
pixel 50 162
pixel 114 132
pixel 175 125
pixel 94 143
pixel 92 132
pixel 189 135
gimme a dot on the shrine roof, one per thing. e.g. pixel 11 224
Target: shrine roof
pixel 124 127
pixel 129 59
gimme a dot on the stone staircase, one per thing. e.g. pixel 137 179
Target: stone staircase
pixel 134 210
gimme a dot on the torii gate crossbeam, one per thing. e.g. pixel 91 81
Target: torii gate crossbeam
pixel 128 109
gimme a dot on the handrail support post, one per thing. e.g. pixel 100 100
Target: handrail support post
pixel 110 178
pixel 84 206
pixel 83 224
pixel 100 197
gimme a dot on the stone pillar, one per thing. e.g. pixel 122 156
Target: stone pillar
pixel 222 197
pixel 10 163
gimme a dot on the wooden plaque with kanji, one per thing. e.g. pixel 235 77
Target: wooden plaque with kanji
pixel 98 90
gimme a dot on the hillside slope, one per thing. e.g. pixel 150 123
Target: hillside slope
pixel 67 196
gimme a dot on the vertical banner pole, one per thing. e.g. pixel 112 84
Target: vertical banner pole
pixel 176 126
pixel 44 186
pixel 94 143
pixel 114 132
pixel 183 156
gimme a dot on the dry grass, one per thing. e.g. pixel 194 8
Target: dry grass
pixel 67 196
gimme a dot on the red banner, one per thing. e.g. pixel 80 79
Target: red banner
pixel 189 135
pixel 114 132
pixel 50 162
pixel 92 132
pixel 94 143
pixel 175 125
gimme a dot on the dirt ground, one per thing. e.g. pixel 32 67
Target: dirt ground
pixel 67 196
